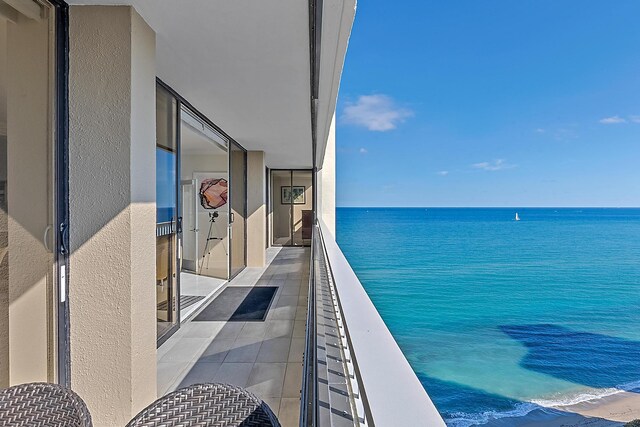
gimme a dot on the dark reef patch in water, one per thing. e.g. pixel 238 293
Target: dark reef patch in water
pixel 593 360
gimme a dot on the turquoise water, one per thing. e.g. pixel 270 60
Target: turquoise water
pixel 499 317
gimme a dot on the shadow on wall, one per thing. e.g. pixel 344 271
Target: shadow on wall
pixel 580 357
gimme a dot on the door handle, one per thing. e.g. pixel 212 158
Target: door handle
pixel 45 238
pixel 64 237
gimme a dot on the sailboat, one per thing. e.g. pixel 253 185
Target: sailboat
pixel 517 217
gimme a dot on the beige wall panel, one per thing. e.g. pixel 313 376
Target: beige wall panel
pixel 256 208
pixel 112 211
pixel 143 213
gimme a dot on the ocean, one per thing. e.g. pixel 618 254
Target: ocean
pixel 500 317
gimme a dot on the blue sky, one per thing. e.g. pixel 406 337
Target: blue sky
pixel 491 103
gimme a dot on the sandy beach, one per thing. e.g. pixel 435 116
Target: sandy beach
pixel 610 411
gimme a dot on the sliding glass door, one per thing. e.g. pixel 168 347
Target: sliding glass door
pixel 32 204
pixel 291 208
pixel 201 210
pixel 167 220
pixel 301 207
pixel 237 230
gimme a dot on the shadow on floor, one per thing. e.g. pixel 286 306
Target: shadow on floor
pixel 584 358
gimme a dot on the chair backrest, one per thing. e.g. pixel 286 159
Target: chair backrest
pixel 42 404
pixel 207 405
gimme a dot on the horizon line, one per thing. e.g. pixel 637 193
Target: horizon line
pixel 487 207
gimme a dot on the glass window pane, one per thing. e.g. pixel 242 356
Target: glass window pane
pixel 238 162
pixel 166 210
pixel 27 291
pixel 302 199
pixel 281 208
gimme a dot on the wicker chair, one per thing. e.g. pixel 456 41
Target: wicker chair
pixel 42 404
pixel 207 405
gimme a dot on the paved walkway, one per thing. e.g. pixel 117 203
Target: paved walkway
pixel 264 357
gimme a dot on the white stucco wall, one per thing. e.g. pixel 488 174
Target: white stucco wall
pixel 327 181
pixel 112 211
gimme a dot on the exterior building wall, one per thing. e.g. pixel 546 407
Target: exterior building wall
pixel 327 181
pixel 256 208
pixel 112 211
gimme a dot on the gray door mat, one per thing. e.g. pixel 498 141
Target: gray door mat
pixel 239 304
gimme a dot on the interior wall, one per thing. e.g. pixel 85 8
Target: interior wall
pixel 215 262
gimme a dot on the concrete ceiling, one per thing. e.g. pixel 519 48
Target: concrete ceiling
pixel 192 142
pixel 245 64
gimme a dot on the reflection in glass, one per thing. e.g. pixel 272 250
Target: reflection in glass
pixel 291 207
pixel 204 170
pixel 27 242
pixel 281 208
pixel 238 162
pixel 302 205
pixel 166 210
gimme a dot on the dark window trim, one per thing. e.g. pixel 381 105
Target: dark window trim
pixel 61 177
pixel 183 101
pixel 270 202
pixel 232 274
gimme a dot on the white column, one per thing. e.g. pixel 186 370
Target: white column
pixel 112 211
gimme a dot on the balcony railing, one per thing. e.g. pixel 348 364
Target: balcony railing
pixel 354 371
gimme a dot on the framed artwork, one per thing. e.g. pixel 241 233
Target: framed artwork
pixel 295 194
pixel 212 189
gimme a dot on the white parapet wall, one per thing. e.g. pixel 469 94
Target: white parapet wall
pixel 327 181
pixel 394 395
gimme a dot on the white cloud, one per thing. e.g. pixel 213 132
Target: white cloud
pixel 540 130
pixel 495 165
pixel 363 151
pixel 635 119
pixel 443 173
pixel 375 112
pixel 613 120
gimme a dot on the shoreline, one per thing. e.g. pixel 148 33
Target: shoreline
pixel 610 411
